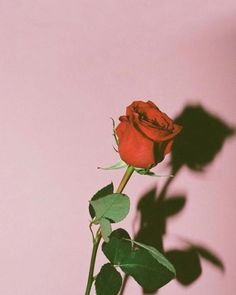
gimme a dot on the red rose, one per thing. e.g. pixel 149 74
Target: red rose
pixel 145 135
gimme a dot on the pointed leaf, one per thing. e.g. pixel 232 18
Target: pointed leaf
pixel 114 207
pixel 142 263
pixel 118 165
pixel 157 255
pixel 147 172
pixel 108 281
pixel 119 248
pixel 107 190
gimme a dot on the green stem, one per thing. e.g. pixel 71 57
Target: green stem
pixel 125 179
pixel 92 263
pixel 98 237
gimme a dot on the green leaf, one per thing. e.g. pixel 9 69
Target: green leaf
pixel 105 229
pixel 157 255
pixel 107 190
pixel 114 207
pixel 148 172
pixel 106 207
pixel 118 249
pixel 108 281
pixel 145 264
pixel 118 165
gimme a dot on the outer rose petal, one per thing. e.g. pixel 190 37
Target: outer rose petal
pixel 120 129
pixel 134 148
pixel 156 134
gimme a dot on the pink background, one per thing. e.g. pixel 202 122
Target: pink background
pixel 66 66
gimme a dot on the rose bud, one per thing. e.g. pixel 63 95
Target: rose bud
pixel 145 135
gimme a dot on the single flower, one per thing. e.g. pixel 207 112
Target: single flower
pixel 145 135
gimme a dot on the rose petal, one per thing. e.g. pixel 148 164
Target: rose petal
pixel 158 135
pixel 134 148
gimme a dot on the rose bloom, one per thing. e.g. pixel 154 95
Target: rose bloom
pixel 145 135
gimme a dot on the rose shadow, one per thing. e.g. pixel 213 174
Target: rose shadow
pixel 201 139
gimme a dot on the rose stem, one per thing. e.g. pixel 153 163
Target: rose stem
pixel 96 241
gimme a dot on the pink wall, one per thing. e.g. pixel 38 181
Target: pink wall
pixel 65 68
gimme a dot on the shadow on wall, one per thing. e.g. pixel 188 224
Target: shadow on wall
pixel 197 145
